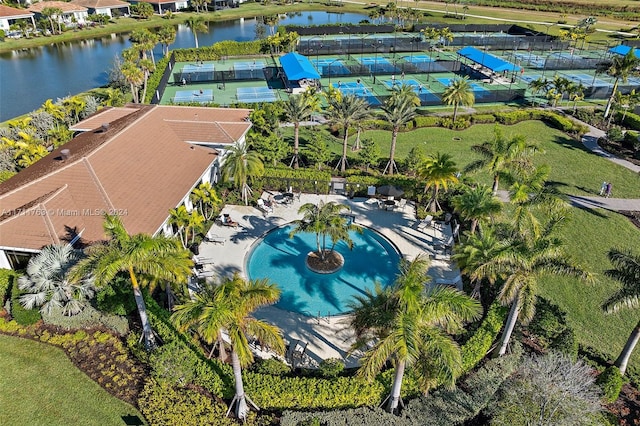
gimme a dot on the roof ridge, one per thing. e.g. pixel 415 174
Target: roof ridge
pixel 29 205
pixel 96 180
pixel 225 132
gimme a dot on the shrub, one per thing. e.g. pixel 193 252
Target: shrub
pixel 632 121
pixel 271 366
pixel 154 79
pixel 330 368
pixel 566 343
pixel 427 121
pixel 163 404
pixel 477 347
pixel 483 118
pixel 631 140
pixel 551 329
pixel 615 134
pixel 89 317
pixel 7 276
pixel 21 315
pixel 116 298
pixel 512 117
pixel 611 381
pixel 354 416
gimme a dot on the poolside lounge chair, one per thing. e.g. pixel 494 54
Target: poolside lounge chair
pixel 264 207
pixel 227 221
pixel 401 204
pixel 213 238
pixel 426 222
pixel 373 203
pixel 447 246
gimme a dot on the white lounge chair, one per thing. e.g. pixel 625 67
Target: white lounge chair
pixel 213 238
pixel 401 204
pixel 262 206
pixel 426 222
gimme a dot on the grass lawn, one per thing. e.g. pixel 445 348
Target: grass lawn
pixel 575 170
pixel 589 235
pixel 40 386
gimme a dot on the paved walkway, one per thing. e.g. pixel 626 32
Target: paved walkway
pixel 326 337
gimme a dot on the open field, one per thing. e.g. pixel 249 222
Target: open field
pixel 40 386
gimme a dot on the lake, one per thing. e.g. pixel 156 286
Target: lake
pixel 31 76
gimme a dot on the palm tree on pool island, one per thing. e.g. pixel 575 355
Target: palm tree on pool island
pixel 226 308
pixel 325 220
pixel 158 258
pixel 627 271
pixel 411 326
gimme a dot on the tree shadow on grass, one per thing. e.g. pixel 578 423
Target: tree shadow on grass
pixel 570 143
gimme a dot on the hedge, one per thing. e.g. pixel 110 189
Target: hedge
pixel 305 180
pixel 7 276
pixel 479 344
pixel 154 79
pixel 632 121
pixel 611 381
pixel 218 50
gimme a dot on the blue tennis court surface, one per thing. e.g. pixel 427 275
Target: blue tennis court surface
pixel 419 58
pixel 478 91
pixel 198 68
pixel 425 95
pixel 359 90
pixel 328 67
pixel 530 60
pixel 202 96
pixel 378 64
pixel 254 65
pixel 588 80
pixel 256 94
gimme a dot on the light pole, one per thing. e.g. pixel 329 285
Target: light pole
pixel 329 69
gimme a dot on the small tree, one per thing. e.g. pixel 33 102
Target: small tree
pixel 317 150
pixel 370 153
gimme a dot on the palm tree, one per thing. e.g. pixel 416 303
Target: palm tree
pixel 47 283
pixel 297 109
pixel 179 217
pixel 458 93
pixel 437 171
pixel 502 158
pixel 324 220
pixel 134 76
pixel 346 111
pixel 158 258
pixel 399 109
pixel 626 270
pixel 206 198
pixel 410 326
pixel 621 68
pixel 476 204
pixel 521 263
pixel 538 85
pixel 473 257
pixel 242 165
pixel 166 37
pixel 196 24
pixel 226 308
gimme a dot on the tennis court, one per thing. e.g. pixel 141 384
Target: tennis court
pixel 256 94
pixel 202 96
pixel 249 70
pixel 530 60
pixel 588 80
pixel 330 66
pixel 359 90
pixel 191 73
pixel 378 64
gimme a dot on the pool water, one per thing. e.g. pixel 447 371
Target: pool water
pixel 282 260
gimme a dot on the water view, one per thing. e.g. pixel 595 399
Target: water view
pixel 31 76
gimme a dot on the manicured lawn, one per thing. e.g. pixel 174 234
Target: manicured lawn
pixel 589 235
pixel 40 386
pixel 574 169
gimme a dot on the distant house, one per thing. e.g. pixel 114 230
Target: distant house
pixel 72 14
pixel 9 16
pixel 104 7
pixel 161 6
pixel 138 161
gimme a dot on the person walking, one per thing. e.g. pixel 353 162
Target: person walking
pixel 609 188
pixel 603 188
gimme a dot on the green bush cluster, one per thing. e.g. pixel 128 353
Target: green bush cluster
pixel 7 276
pixel 330 368
pixel 483 118
pixel 21 315
pixel 479 344
pixel 164 404
pixel 218 50
pixel 551 329
pixel 611 381
pixel 305 180
pixel 353 416
pixel 632 121
pixel 271 366
pixel 88 318
pixel 154 79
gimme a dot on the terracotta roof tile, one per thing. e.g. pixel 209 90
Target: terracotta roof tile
pixel 99 4
pixel 105 115
pixel 8 12
pixel 62 5
pixel 140 166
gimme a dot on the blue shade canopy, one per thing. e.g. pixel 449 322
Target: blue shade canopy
pixel 623 50
pixel 487 60
pixel 297 67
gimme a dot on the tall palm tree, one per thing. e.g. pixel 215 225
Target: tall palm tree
pixel 502 158
pixel 411 326
pixel 134 76
pixel 324 220
pixel 48 285
pixel 346 111
pixel 539 85
pixel 473 257
pixel 179 217
pixel 399 109
pixel 166 37
pixel 437 170
pixel 458 93
pixel 226 308
pixel 621 68
pixel 476 204
pixel 206 198
pixel 196 25
pixel 297 109
pixel 626 270
pixel 158 258
pixel 521 263
pixel 242 165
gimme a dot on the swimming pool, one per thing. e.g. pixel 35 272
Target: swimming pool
pixel 282 260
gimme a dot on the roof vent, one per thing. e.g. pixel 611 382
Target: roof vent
pixel 104 127
pixel 65 154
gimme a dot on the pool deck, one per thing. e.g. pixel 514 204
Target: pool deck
pixel 326 337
